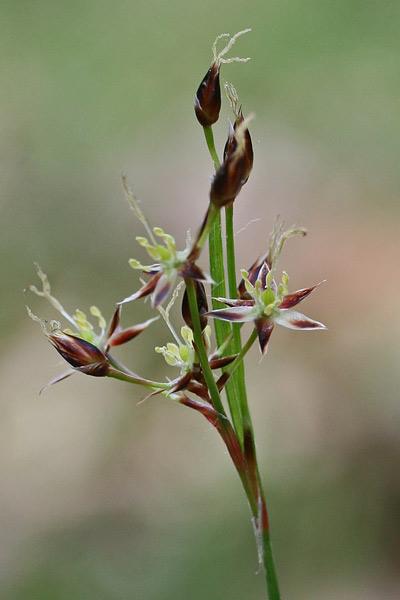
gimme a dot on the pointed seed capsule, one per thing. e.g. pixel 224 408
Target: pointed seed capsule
pixel 207 101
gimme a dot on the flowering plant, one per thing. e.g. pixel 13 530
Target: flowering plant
pixel 257 299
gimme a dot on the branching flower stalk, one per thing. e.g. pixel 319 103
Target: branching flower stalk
pixel 205 376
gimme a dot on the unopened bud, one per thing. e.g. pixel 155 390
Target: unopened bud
pixel 207 101
pixel 235 169
pixel 80 354
pixel 227 182
pixel 231 145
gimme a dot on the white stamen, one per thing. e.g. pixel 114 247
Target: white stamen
pixel 218 57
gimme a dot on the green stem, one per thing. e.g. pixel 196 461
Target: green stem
pixel 271 576
pixel 236 388
pixel 208 132
pixel 230 251
pixel 238 360
pixel 132 378
pixel 119 366
pixel 217 272
pixel 206 228
pixel 224 425
pixel 237 368
pixel 201 351
pixel 238 380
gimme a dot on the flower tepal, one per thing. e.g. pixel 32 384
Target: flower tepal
pixel 170 264
pixel 267 304
pixel 83 348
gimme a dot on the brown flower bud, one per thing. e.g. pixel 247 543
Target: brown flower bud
pixel 231 145
pixel 80 354
pixel 201 303
pixel 236 167
pixel 207 101
pixel 227 182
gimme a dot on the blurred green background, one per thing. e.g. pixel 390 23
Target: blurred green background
pixel 104 499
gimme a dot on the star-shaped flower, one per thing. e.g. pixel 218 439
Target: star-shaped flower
pixel 183 355
pixel 182 352
pixel 83 348
pixel 170 262
pixel 267 304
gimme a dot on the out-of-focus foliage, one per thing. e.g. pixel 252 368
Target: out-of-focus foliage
pixel 101 498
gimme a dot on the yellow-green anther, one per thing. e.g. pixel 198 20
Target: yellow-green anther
pixel 244 274
pixel 168 239
pixel 184 353
pixel 96 313
pixel 85 328
pixel 187 334
pixel 256 290
pixel 135 264
pixel 249 286
pixel 170 359
pixel 83 323
pixel 173 349
pixel 151 250
pixel 269 310
pixel 207 337
pixel 269 279
pixel 159 231
pixel 285 278
pixel 170 242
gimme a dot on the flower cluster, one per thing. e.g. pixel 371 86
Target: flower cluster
pixel 261 299
pixel 84 349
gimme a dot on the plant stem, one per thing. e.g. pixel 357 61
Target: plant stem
pixel 230 251
pixel 230 369
pixel 236 388
pixel 224 425
pixel 201 351
pixel 132 378
pixel 217 272
pixel 269 565
pixel 247 469
pixel 238 377
pixel 208 132
pixel 205 229
pixel 248 432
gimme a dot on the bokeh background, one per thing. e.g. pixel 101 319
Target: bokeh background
pixel 101 498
